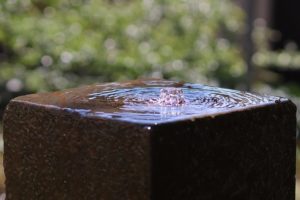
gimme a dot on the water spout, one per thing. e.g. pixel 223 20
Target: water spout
pixel 171 97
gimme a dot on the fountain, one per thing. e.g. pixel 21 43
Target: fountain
pixel 149 139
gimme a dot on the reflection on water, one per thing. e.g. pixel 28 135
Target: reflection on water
pixel 149 101
pixel 159 101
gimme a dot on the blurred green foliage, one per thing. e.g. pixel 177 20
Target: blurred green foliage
pixel 288 57
pixel 277 71
pixel 54 44
pixel 111 40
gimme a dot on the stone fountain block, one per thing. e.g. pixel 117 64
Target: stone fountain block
pixel 137 141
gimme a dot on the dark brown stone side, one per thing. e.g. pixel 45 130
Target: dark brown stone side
pixel 51 154
pixel 247 155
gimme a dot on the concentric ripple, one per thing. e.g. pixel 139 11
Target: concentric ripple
pixel 143 103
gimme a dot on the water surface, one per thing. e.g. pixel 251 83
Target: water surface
pixel 143 101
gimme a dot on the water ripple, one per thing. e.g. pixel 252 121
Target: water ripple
pixel 144 104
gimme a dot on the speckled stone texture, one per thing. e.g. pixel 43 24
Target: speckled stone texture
pixel 247 155
pixel 53 153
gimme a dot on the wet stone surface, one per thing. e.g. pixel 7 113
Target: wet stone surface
pixel 149 140
pixel 150 101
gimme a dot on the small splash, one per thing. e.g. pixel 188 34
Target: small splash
pixel 171 97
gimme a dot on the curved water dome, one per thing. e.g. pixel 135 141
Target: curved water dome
pixel 150 101
pixel 161 101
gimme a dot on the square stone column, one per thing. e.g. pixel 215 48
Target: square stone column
pixel 149 140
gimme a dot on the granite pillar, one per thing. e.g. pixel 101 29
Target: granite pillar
pixel 139 141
